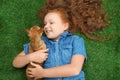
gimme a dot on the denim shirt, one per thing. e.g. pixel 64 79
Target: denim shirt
pixel 61 52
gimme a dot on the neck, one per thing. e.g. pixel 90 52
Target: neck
pixel 35 44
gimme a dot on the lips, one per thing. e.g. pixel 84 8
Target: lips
pixel 48 31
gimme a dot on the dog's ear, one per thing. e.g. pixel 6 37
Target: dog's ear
pixel 27 31
pixel 41 30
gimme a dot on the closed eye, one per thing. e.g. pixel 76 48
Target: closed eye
pixel 51 22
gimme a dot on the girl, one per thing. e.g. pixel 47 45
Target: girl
pixel 66 52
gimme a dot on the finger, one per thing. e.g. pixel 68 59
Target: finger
pixel 31 76
pixel 33 64
pixel 29 73
pixel 29 69
pixel 46 54
pixel 45 57
pixel 46 50
pixel 35 78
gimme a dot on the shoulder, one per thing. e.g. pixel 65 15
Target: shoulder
pixel 77 38
pixel 73 39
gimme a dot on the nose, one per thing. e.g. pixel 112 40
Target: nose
pixel 46 25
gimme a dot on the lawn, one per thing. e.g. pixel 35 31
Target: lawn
pixel 102 63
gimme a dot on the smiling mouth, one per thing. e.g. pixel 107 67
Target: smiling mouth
pixel 48 31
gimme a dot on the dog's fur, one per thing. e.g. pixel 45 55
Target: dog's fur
pixel 36 43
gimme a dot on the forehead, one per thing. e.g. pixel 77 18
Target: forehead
pixel 52 16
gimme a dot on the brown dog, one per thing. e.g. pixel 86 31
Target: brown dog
pixel 36 43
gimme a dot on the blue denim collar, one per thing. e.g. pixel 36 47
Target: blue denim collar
pixel 65 34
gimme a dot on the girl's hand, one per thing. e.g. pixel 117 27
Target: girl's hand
pixel 38 56
pixel 36 72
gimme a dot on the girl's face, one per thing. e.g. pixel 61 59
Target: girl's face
pixel 54 26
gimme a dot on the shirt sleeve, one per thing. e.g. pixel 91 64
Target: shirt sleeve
pixel 26 48
pixel 79 47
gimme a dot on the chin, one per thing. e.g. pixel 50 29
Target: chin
pixel 49 37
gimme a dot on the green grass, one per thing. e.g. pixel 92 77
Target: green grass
pixel 103 61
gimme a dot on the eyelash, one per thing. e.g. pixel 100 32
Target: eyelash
pixel 51 22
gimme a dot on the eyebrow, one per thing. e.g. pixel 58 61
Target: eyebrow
pixel 50 20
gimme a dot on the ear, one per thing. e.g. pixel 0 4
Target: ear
pixel 41 30
pixel 27 31
pixel 66 26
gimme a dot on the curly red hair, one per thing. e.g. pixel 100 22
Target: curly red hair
pixel 86 16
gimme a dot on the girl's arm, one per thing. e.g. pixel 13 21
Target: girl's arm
pixel 22 59
pixel 71 69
